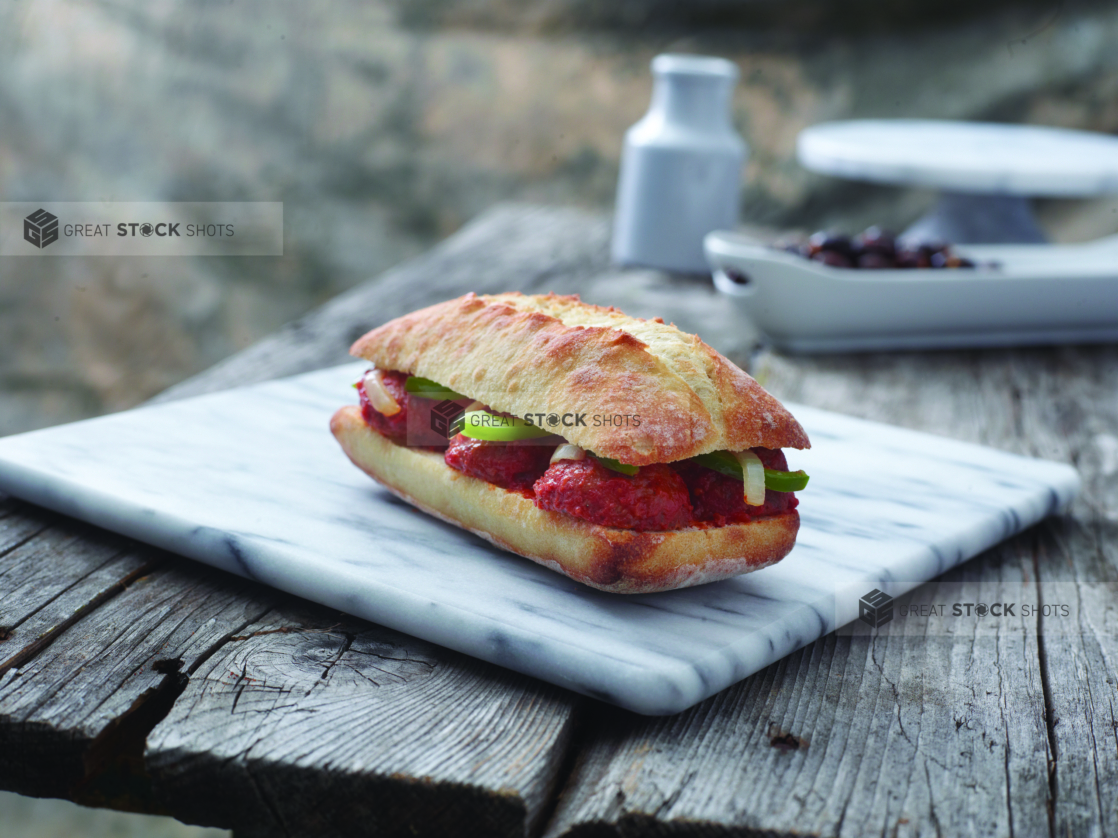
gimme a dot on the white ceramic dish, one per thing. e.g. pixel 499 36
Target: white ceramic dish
pixel 1035 294
pixel 971 157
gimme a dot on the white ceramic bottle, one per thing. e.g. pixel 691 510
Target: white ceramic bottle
pixel 681 167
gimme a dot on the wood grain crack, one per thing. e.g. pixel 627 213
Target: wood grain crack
pixel 932 803
pixel 1005 731
pixel 114 771
pixel 1046 690
pixel 1114 725
pixel 896 694
pixel 349 638
pixel 227 638
pixel 239 688
pixel 574 755
pixel 1095 752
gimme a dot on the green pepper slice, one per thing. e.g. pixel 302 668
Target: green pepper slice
pixel 425 388
pixel 721 461
pixel 617 465
pixel 779 481
pixel 488 427
pixel 786 481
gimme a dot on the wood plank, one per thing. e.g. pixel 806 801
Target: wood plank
pixel 53 573
pixel 53 570
pixel 402 737
pixel 1057 403
pixel 472 742
pixel 1071 412
pixel 909 734
pixel 75 713
pixel 898 733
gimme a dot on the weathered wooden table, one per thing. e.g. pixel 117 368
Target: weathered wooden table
pixel 136 679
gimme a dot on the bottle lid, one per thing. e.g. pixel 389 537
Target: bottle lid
pixel 694 65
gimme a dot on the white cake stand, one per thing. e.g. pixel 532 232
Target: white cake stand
pixel 985 171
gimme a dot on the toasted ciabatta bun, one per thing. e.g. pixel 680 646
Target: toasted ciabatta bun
pixel 621 561
pixel 551 354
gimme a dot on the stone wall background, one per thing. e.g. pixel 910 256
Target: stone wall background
pixel 383 125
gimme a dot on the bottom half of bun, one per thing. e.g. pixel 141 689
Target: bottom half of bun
pixel 609 559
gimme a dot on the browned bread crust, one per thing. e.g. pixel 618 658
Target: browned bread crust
pixel 553 354
pixel 621 561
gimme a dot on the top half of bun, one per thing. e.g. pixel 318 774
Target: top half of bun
pixel 552 354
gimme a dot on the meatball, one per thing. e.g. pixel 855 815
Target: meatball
pixel 653 499
pixel 511 465
pixel 394 427
pixel 719 499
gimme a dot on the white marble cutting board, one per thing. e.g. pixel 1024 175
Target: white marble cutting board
pixel 251 481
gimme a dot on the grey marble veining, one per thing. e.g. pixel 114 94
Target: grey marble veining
pixel 251 481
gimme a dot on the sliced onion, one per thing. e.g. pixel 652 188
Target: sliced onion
pixel 754 473
pixel 378 395
pixel 566 451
